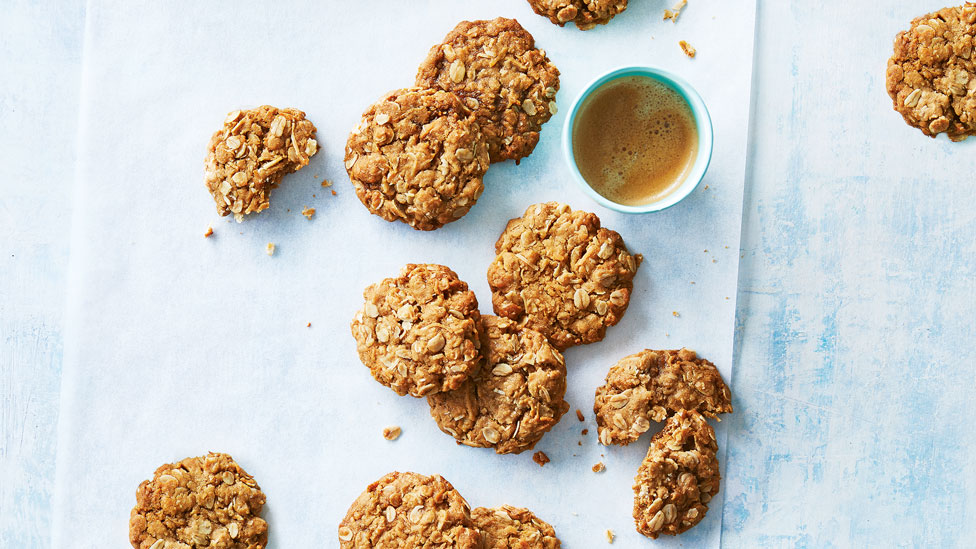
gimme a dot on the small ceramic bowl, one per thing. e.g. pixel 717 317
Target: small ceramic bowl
pixel 698 110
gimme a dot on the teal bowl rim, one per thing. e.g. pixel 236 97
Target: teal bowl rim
pixel 698 110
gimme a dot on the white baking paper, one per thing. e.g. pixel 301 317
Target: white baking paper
pixel 178 345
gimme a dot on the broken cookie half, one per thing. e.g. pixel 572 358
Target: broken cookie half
pixel 247 158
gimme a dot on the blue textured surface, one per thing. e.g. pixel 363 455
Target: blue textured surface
pixel 855 315
pixel 40 54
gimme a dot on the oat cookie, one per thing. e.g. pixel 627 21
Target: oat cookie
pixel 931 77
pixel 651 385
pixel 199 502
pixel 418 333
pixel 496 69
pixel 562 274
pixel 252 152
pixel 406 510
pixel 513 399
pixel 678 477
pixel 417 156
pixel 512 527
pixel 585 13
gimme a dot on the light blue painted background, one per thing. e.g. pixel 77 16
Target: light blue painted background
pixel 855 309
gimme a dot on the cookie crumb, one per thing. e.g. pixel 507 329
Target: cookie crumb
pixel 209 232
pixel 308 212
pixel 675 314
pixel 674 12
pixel 599 467
pixel 541 458
pixel 609 536
pixel 585 432
pixel 688 49
pixel 392 432
pixel 270 248
pixel 326 183
pixel 579 415
pixel 333 193
pixel 309 325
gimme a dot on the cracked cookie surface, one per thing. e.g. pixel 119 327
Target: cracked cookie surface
pixel 931 77
pixel 678 477
pixel 651 385
pixel 515 397
pixel 418 332
pixel 199 502
pixel 418 156
pixel 247 158
pixel 585 13
pixel 560 273
pixel 513 527
pixel 405 510
pixel 496 69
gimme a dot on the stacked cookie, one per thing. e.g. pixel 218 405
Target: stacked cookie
pixel 559 279
pixel 419 154
pixel 679 474
pixel 412 510
pixel 489 382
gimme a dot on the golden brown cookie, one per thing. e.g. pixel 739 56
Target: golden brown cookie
pixel 585 13
pixel 651 385
pixel 499 73
pixel 678 477
pixel 199 502
pixel 513 399
pixel 417 156
pixel 931 77
pixel 405 510
pixel 562 274
pixel 513 527
pixel 252 152
pixel 418 332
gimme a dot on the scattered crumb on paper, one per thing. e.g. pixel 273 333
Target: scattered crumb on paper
pixel 674 12
pixel 687 48
pixel 392 432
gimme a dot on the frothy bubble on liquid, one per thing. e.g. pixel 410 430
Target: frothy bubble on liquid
pixel 634 140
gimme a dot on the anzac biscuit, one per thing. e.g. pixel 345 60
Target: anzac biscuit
pixel 511 527
pixel 931 77
pixel 678 477
pixel 560 273
pixel 199 502
pixel 651 385
pixel 513 399
pixel 585 13
pixel 254 150
pixel 406 510
pixel 418 332
pixel 496 69
pixel 417 156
